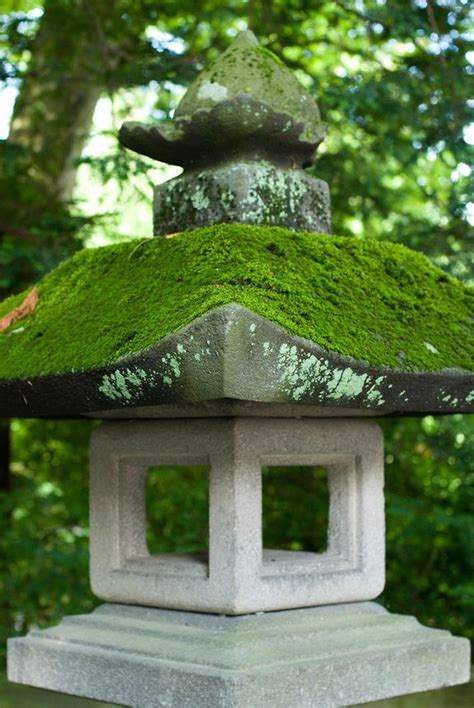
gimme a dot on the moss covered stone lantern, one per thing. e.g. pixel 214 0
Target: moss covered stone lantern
pixel 256 339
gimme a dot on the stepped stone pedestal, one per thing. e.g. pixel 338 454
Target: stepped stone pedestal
pixel 312 658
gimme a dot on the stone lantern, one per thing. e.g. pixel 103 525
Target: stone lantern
pixel 258 339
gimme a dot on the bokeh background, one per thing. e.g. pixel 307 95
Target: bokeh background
pixel 392 79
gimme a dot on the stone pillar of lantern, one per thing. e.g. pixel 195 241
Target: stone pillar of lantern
pixel 242 625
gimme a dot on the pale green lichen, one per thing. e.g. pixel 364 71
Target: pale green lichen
pixel 431 348
pixel 301 373
pixel 123 385
pixel 127 384
pixel 213 91
pixel 199 199
pixel 171 364
pixel 373 395
pixel 251 191
pixel 275 193
pixel 349 384
pixel 453 400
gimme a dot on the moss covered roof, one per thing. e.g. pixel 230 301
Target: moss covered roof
pixel 374 301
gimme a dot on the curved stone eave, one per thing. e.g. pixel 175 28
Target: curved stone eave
pixel 230 353
pixel 210 134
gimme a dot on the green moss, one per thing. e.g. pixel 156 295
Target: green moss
pixel 269 54
pixel 373 301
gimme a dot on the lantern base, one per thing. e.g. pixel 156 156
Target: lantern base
pixel 325 656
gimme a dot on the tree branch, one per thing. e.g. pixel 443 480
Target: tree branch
pixel 361 15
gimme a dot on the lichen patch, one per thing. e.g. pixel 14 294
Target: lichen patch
pixel 213 91
pixel 302 375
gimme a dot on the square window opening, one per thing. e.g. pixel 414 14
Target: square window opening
pixel 295 508
pixel 177 510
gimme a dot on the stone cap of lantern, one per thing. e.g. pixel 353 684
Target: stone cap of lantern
pixel 243 132
pixel 241 316
pixel 248 103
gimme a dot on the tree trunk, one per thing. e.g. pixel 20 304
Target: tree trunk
pixel 54 109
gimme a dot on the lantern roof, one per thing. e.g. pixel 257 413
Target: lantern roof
pixel 233 312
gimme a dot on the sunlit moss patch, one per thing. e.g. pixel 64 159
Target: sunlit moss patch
pixel 374 301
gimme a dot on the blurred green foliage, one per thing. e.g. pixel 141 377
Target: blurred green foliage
pixel 295 503
pixel 391 78
pixel 44 526
pixel 177 508
pixel 295 506
pixel 430 520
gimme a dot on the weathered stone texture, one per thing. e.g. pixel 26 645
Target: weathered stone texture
pixel 251 192
pixel 312 658
pixel 243 132
pixel 247 103
pixel 239 576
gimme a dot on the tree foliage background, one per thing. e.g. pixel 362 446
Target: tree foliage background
pixel 392 80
